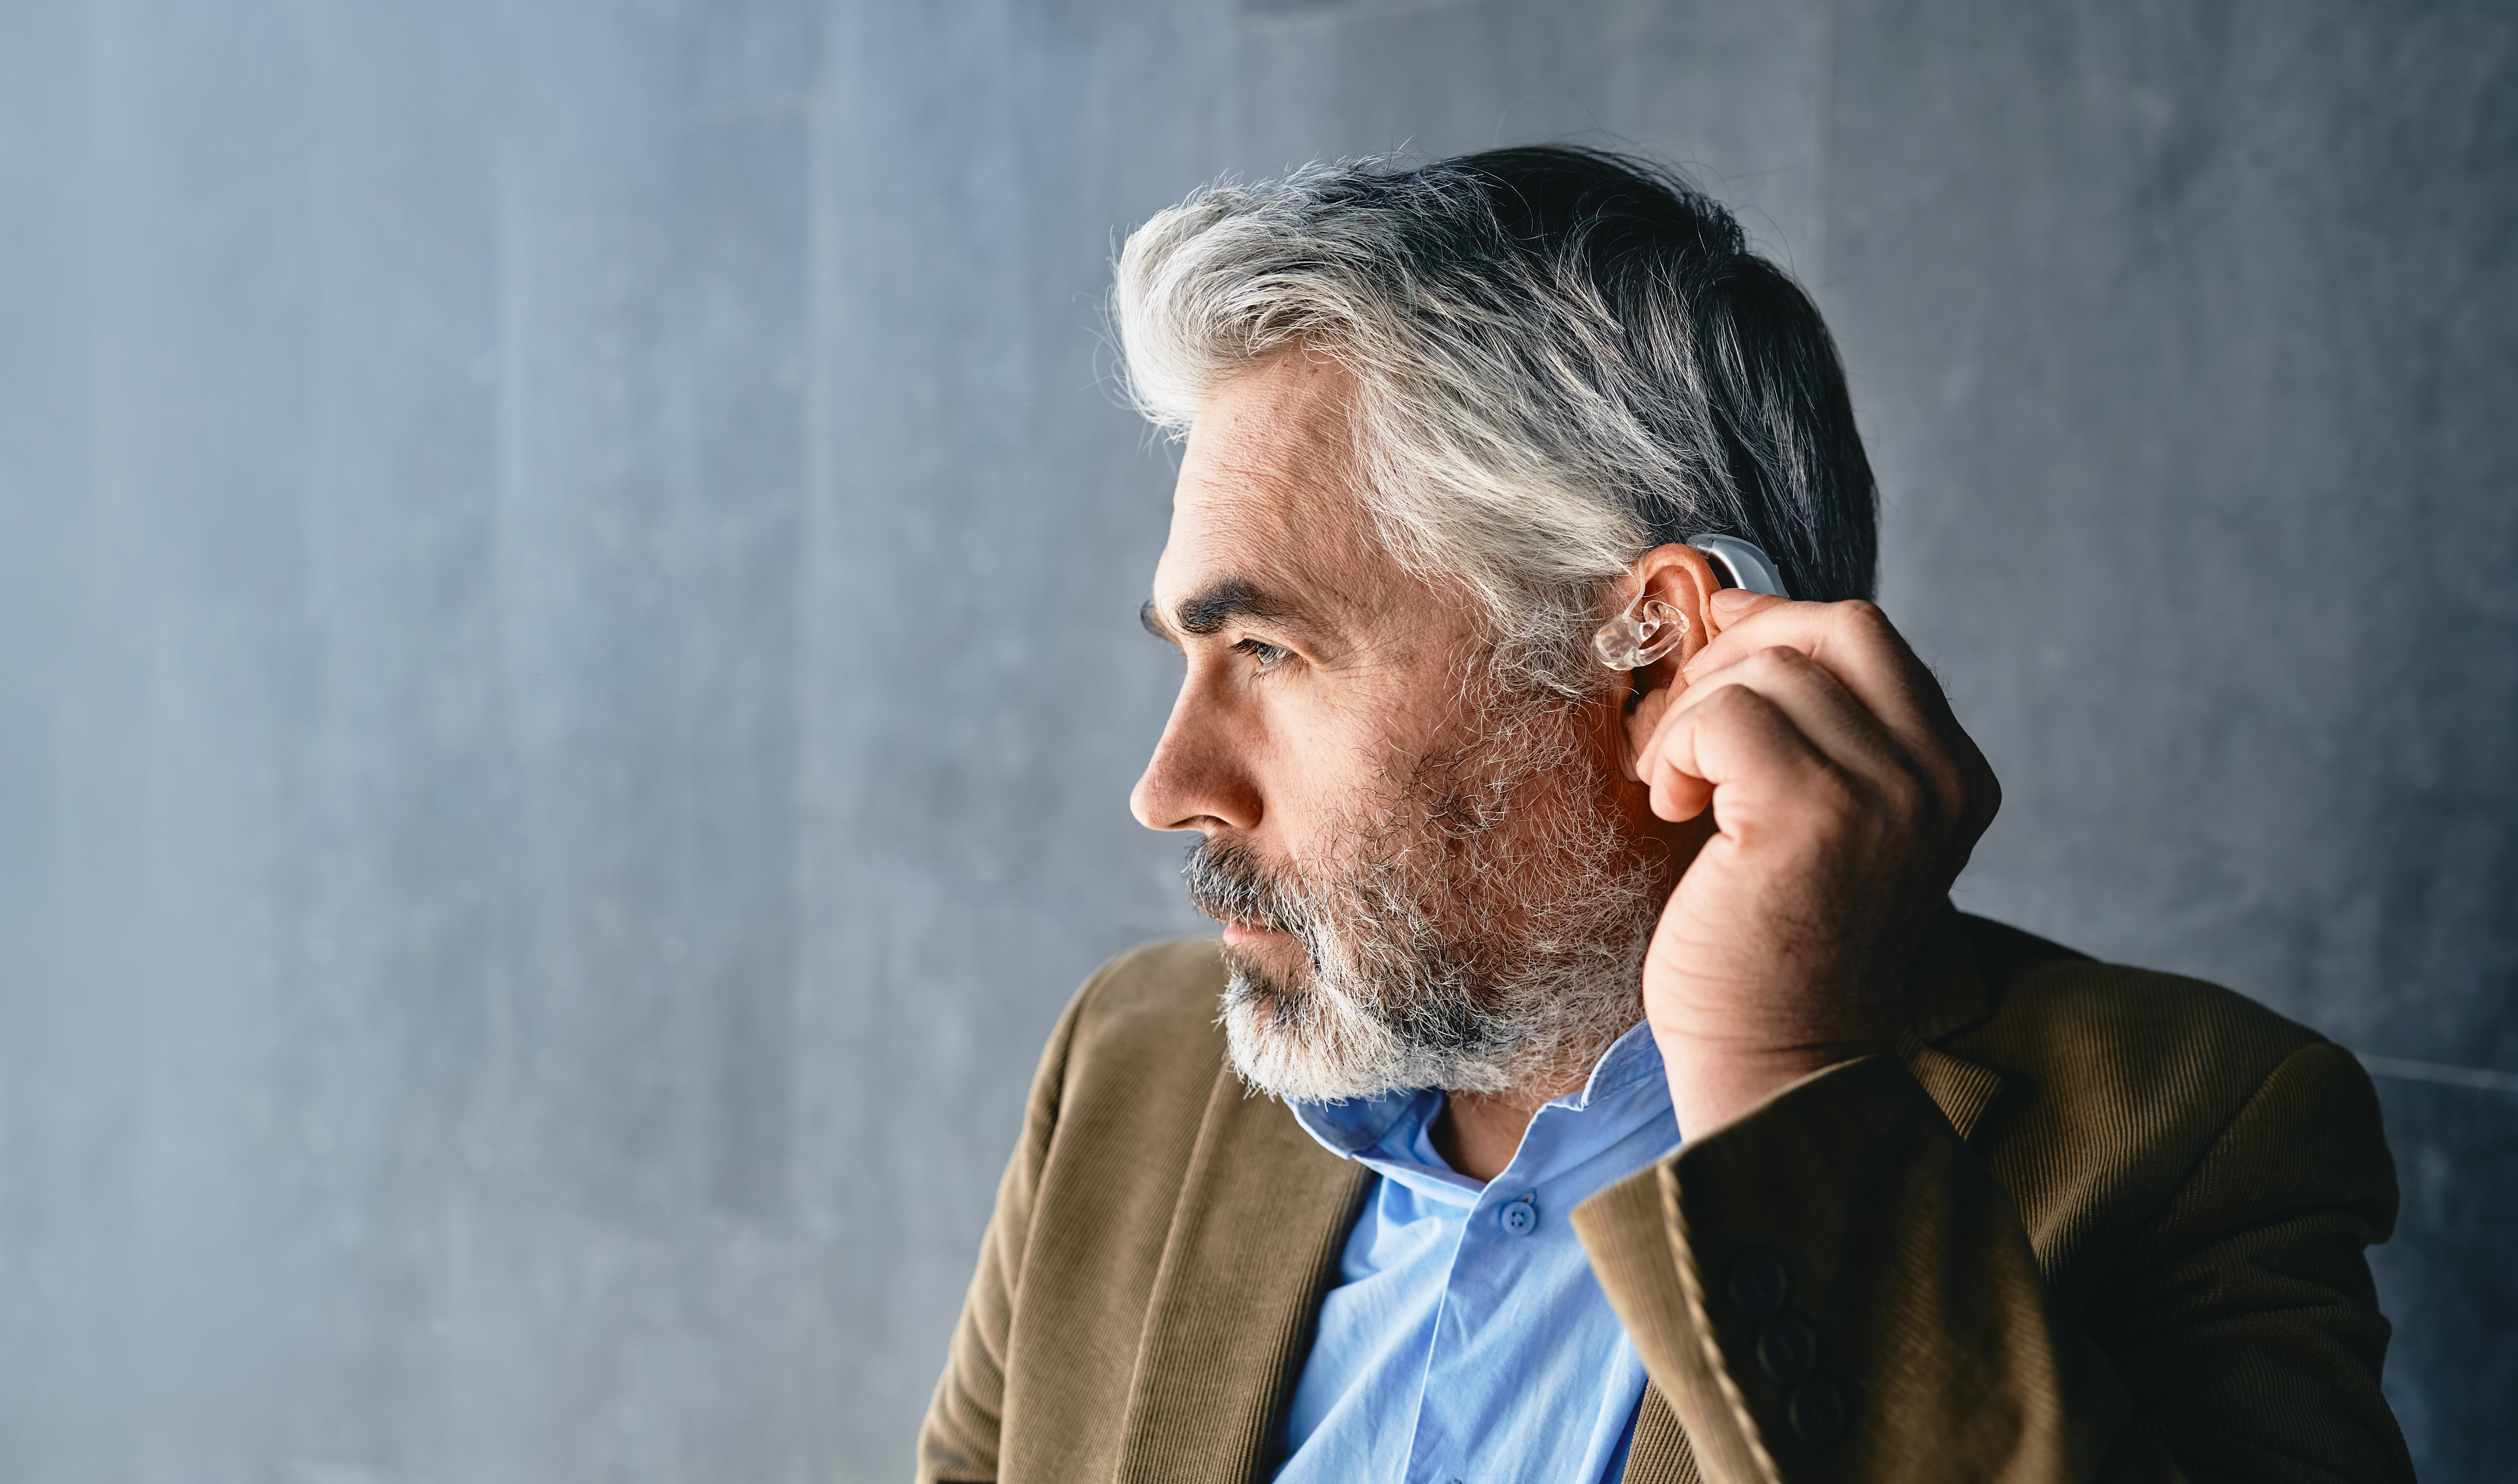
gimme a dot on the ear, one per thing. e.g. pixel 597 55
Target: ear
pixel 1682 578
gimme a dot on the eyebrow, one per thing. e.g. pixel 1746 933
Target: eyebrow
pixel 1211 609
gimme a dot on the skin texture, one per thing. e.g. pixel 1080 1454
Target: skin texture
pixel 1812 793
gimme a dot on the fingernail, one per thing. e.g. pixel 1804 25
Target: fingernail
pixel 1731 599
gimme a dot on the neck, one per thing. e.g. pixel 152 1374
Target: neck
pixel 1479 1133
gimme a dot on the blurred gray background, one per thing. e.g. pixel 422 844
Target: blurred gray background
pixel 568 676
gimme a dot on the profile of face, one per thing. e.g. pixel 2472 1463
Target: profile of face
pixel 1428 875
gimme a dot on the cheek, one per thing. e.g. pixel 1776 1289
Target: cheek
pixel 1342 746
pixel 1320 776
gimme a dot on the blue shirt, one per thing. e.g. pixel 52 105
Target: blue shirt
pixel 1467 1338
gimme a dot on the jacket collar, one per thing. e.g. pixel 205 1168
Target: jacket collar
pixel 1262 1216
pixel 1950 995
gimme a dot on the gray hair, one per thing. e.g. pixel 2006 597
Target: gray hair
pixel 1565 358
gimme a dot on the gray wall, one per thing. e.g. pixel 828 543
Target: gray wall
pixel 568 678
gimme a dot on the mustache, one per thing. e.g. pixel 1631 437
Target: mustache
pixel 1229 883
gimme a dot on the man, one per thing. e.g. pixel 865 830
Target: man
pixel 1592 1081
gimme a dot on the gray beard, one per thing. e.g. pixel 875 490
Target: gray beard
pixel 1485 934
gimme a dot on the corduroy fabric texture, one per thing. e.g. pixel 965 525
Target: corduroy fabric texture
pixel 2092 1223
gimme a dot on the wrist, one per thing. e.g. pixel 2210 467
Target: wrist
pixel 1714 1085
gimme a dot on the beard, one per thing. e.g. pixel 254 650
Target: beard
pixel 1483 931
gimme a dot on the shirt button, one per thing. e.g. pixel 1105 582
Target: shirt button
pixel 1520 1216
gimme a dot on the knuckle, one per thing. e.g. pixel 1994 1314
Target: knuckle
pixel 1984 803
pixel 1905 795
pixel 1733 705
pixel 1861 612
pixel 1783 657
pixel 1861 622
pixel 1944 786
pixel 1834 796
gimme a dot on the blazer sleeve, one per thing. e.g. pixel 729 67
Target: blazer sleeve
pixel 1836 1287
pixel 958 1442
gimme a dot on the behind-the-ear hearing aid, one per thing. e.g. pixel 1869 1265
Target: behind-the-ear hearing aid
pixel 1650 629
pixel 1744 564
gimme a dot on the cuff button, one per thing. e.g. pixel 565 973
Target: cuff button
pixel 1816 1411
pixel 1787 1348
pixel 1757 1283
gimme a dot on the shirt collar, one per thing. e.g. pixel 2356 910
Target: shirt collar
pixel 1630 1059
pixel 1392 1133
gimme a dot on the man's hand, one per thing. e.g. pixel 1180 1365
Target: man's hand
pixel 1845 800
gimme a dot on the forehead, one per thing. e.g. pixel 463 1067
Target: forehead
pixel 1267 494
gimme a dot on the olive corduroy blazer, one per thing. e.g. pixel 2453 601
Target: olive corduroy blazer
pixel 2092 1223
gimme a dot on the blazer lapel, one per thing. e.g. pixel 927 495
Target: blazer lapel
pixel 1950 995
pixel 1263 1215
pixel 1963 1088
pixel 1660 1454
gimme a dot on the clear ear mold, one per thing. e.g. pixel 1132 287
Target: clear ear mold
pixel 1645 632
pixel 1649 629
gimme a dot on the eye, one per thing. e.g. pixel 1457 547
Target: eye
pixel 1268 655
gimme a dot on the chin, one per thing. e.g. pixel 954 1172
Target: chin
pixel 1290 1063
pixel 1306 1041
pixel 1294 1038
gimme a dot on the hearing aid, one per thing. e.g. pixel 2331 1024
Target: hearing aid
pixel 1743 564
pixel 1647 630
pixel 1651 628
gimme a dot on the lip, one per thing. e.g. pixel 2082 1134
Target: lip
pixel 1239 933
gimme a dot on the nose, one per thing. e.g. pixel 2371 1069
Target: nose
pixel 1198 778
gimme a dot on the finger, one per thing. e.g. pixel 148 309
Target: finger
pixel 1733 603
pixel 1856 642
pixel 1739 752
pixel 1819 707
pixel 1874 777
pixel 1852 639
